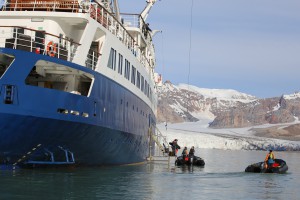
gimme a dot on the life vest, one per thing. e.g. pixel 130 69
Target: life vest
pixel 270 156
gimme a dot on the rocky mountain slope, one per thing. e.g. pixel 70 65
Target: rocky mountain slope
pixel 224 108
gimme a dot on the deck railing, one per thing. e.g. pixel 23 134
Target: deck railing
pixel 98 13
pixel 40 42
pixel 42 5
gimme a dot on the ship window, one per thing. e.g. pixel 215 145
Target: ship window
pixel 146 87
pixel 112 59
pixel 5 62
pixel 127 69
pixel 133 75
pixel 138 79
pixel 142 83
pixel 120 66
pixel 50 75
pixel 85 114
pixel 62 110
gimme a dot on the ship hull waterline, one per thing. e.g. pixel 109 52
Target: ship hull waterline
pixel 97 140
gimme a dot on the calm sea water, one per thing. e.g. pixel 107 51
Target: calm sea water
pixel 223 177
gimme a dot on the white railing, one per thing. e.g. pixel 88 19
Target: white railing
pixel 46 44
pixel 107 20
pixel 131 20
pixel 42 5
pixel 92 59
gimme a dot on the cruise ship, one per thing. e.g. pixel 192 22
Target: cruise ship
pixel 77 83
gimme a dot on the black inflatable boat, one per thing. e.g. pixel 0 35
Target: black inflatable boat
pixel 279 166
pixel 195 160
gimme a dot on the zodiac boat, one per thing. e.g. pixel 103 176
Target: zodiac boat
pixel 279 166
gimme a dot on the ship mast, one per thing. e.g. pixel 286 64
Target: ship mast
pixel 147 9
pixel 116 9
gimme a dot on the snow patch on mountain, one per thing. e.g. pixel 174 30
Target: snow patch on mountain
pixel 220 94
pixel 292 96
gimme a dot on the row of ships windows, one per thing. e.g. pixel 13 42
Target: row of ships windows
pixel 135 76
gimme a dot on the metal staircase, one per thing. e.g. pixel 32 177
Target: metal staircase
pixel 160 141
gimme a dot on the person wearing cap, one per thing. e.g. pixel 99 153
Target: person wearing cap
pixel 269 160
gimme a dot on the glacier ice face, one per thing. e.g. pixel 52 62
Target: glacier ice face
pixel 198 135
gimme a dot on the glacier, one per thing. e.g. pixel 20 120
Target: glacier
pixel 198 134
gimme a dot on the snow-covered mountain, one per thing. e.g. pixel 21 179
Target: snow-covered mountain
pixel 243 121
pixel 224 108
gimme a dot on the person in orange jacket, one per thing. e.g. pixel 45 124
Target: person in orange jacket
pixel 269 160
pixel 185 154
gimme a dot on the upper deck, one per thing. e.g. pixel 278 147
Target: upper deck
pixel 130 30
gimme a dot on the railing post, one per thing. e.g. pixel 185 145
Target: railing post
pixel 16 39
pixel 16 5
pixel 102 17
pixel 58 50
pixel 34 5
pixel 93 61
pixel 31 40
pixel 69 51
pixel 73 9
pixel 96 12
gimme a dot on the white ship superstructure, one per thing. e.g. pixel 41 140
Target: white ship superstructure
pixel 86 33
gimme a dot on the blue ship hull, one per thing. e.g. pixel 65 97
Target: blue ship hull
pixel 116 130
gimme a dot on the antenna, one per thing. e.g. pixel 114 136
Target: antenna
pixel 190 47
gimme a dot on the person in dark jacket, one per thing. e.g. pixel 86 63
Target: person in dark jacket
pixel 174 146
pixel 185 151
pixel 192 152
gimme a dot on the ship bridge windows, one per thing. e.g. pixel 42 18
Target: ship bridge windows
pixel 60 77
pixel 5 62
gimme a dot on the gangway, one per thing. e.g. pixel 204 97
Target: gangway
pixel 161 147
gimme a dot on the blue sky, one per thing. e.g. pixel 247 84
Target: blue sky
pixel 251 46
